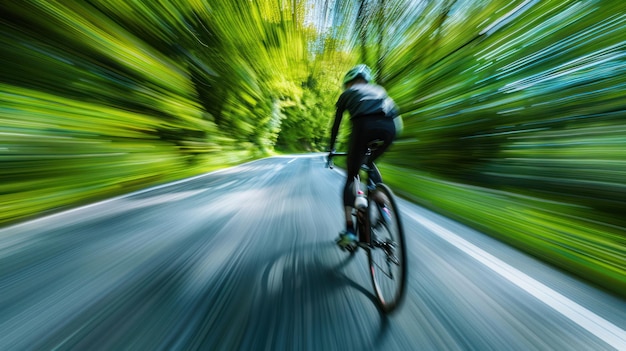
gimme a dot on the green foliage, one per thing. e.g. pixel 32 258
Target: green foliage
pixel 102 97
pixel 306 122
pixel 563 234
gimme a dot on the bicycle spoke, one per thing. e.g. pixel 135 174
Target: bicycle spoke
pixel 386 272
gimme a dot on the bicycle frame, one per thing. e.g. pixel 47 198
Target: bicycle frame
pixel 381 237
pixel 369 168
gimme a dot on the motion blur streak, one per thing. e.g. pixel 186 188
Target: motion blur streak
pixel 244 259
pixel 522 99
pixel 514 125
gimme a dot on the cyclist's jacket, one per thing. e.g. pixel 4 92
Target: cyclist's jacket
pixel 365 100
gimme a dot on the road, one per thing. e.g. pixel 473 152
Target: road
pixel 243 259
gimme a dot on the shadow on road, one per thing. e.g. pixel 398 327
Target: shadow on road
pixel 299 299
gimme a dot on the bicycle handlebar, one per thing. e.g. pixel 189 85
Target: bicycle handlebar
pixel 329 160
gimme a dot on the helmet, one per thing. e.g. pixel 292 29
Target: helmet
pixel 359 71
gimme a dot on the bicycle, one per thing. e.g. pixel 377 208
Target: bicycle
pixel 380 233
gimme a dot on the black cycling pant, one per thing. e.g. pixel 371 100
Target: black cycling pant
pixel 364 130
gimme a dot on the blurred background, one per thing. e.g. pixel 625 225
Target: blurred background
pixel 514 111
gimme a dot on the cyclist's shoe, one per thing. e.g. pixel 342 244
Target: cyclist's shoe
pixel 386 214
pixel 347 240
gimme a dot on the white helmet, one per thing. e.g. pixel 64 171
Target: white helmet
pixel 359 71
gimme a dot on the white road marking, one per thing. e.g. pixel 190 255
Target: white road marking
pixel 123 196
pixel 598 326
pixel 149 189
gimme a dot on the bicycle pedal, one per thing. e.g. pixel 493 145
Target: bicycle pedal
pixel 347 246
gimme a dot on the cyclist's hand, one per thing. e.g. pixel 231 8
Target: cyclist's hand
pixel 329 159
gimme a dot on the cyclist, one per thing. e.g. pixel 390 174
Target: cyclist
pixel 374 115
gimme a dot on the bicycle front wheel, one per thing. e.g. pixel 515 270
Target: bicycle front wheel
pixel 387 252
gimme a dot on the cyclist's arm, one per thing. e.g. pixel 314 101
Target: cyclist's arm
pixel 335 130
pixel 338 116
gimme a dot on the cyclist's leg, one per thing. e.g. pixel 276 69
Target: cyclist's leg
pixel 348 238
pixel 379 129
pixel 364 130
pixel 356 151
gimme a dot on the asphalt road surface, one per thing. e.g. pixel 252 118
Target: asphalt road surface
pixel 243 259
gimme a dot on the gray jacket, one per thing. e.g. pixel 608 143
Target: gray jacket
pixel 366 99
pixel 363 100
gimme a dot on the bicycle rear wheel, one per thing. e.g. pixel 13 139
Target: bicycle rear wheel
pixel 387 253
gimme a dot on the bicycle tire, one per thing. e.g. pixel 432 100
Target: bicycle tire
pixel 387 252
